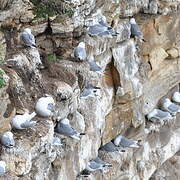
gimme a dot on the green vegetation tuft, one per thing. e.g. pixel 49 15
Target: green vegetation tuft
pixel 2 81
pixel 49 8
pixel 52 58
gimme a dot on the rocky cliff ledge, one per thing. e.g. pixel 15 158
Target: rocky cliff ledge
pixel 136 79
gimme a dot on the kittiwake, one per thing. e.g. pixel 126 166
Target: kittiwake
pixel 110 147
pixel 2 167
pixel 101 29
pixel 94 166
pixel 45 106
pixel 7 139
pixel 170 107
pixel 135 30
pixel 28 38
pixel 80 52
pixel 94 67
pixel 176 97
pixel 89 90
pixel 159 115
pixel 124 142
pixel 23 121
pixel 100 161
pixel 63 127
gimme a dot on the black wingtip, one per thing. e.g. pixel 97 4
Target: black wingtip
pixel 34 45
pixel 122 150
pixel 82 134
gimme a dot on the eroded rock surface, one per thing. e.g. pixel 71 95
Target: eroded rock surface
pixel 136 78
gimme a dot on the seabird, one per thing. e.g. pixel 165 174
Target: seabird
pixel 45 106
pixel 89 90
pixel 170 107
pixel 94 67
pixel 159 115
pixel 124 142
pixel 101 29
pixel 63 127
pixel 100 161
pixel 23 121
pixel 135 30
pixel 2 167
pixel 176 97
pixel 110 147
pixel 28 38
pixel 7 139
pixel 80 52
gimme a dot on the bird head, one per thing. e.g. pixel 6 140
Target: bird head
pixel 151 114
pixel 103 19
pixel 8 134
pixel 132 21
pixel 2 163
pixel 117 140
pixel 27 30
pixel 65 121
pixel 82 45
pixel 167 101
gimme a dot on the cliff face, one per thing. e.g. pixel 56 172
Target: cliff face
pixel 134 82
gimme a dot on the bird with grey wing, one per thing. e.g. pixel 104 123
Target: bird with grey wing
pixel 101 29
pixel 135 30
pixel 158 115
pixel 7 139
pixel 94 165
pixel 27 38
pixel 170 107
pixel 63 127
pixel 80 52
pixel 110 147
pixel 94 67
pixel 124 142
pixel 2 167
pixel 45 106
pixel 23 121
pixel 176 97
pixel 89 90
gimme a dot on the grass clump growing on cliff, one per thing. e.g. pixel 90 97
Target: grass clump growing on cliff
pixel 49 8
pixel 2 81
pixel 52 58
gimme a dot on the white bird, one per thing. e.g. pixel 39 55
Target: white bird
pixel 124 142
pixel 23 121
pixel 159 115
pixel 94 166
pixel 170 107
pixel 28 38
pixel 63 127
pixel 7 139
pixel 176 97
pixel 2 167
pixel 45 106
pixel 135 30
pixel 80 52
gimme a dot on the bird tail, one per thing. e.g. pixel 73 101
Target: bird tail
pixel 75 136
pixel 135 145
pixel 32 115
